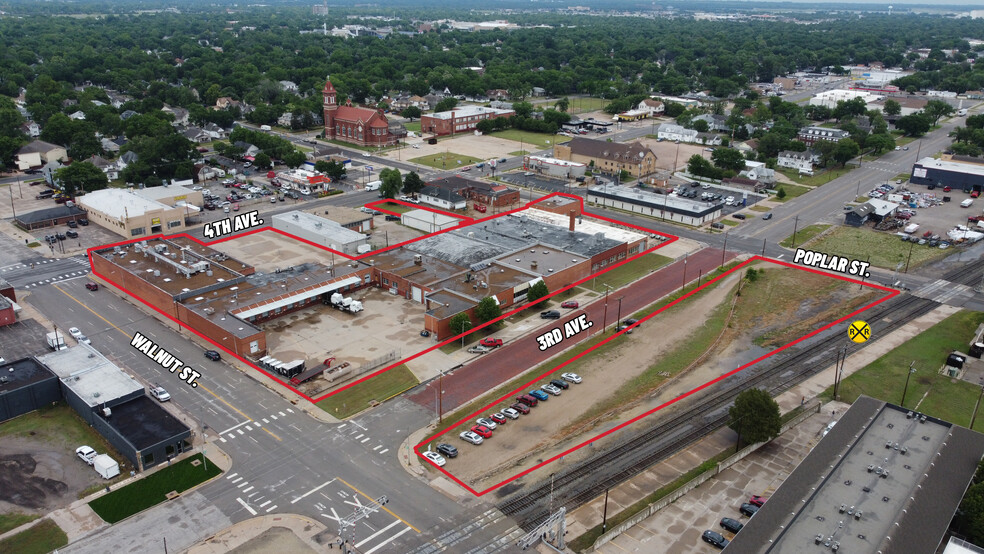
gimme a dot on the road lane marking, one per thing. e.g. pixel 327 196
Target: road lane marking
pixel 384 451
pixel 247 506
pixel 271 508
pixel 265 503
pixel 247 490
pixel 233 428
pixel 231 476
pixel 387 541
pixel 237 480
pixel 312 491
pixel 363 441
pixel 388 511
pixel 376 534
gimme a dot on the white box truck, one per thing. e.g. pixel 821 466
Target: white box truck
pixel 374 185
pixel 106 466
pixel 56 340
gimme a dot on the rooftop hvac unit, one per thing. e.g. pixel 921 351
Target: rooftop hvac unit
pixel 107 412
pixel 157 273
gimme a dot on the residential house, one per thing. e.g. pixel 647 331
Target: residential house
pixel 399 102
pixel 214 131
pixel 285 119
pixel 975 94
pixel 106 166
pixel 108 145
pixel 433 100
pixel 785 83
pixel 126 159
pixel 672 131
pixel 78 115
pixel 205 172
pixel 419 102
pixel 800 161
pixel 743 183
pixel 49 169
pixel 710 139
pixel 196 134
pixel 442 198
pixel 539 91
pixel 116 99
pixel 31 129
pixel 497 94
pixel 289 86
pixel 180 115
pixel 225 103
pixel 757 171
pixel 810 135
pixel 127 114
pixel 247 148
pixel 655 107
pixel 37 153
pixel 714 122
pixel 608 157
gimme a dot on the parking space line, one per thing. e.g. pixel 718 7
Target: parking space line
pixel 363 441
pixel 248 428
pixel 238 479
pixel 265 503
pixel 265 420
pixel 378 447
pixel 248 489
pixel 271 508
pixel 384 451
pixel 231 475
pixel 282 414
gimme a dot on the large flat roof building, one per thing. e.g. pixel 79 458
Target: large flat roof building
pixel 663 206
pixel 462 119
pixel 957 174
pixel 132 214
pixel 884 479
pixel 320 231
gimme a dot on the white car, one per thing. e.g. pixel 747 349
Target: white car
pixel 438 460
pixel 77 335
pixel 366 154
pixel 479 349
pixel 572 377
pixel 510 413
pixel 86 453
pixel 160 394
pixel 486 422
pixel 414 146
pixel 473 438
pixel 551 389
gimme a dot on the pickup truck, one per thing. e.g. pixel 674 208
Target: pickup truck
pixel 490 342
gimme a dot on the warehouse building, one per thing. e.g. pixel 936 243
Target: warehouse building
pixel 664 206
pixel 428 221
pixel 320 231
pixel 135 213
pixel 26 385
pixel 948 172
pixel 884 479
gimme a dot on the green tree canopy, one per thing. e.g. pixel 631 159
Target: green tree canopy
pixel 845 150
pixel 936 109
pixel 411 113
pixel 262 161
pixel 914 125
pixel 755 416
pixel 536 292
pixel 392 183
pixel 80 177
pixel 445 105
pixel 412 183
pixel 892 107
pixel 487 310
pixel 728 158
pixel 460 323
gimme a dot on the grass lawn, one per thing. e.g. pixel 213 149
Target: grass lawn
pixel 627 273
pixel 757 208
pixel 818 179
pixel 543 140
pixel 792 191
pixel 414 126
pixel 903 176
pixel 583 105
pixel 153 489
pixel 519 152
pixel 13 521
pixel 40 539
pixel 381 387
pixel 729 222
pixel 58 426
pixel 803 235
pixel 946 398
pixel 444 160
pixel 394 207
pixel 885 249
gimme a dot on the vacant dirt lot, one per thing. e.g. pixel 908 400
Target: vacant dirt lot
pixel 522 443
pixel 37 477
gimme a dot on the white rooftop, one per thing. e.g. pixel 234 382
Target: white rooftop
pixel 90 375
pixel 584 225
pixel 947 165
pixel 156 193
pixel 120 203
pixel 320 226
pixel 882 208
pixel 555 161
pixel 438 219
pixel 468 111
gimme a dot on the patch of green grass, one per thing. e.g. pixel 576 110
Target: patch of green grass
pixel 379 388
pixel 884 249
pixel 757 208
pixel 946 398
pixel 903 176
pixel 792 191
pixel 591 535
pixel 15 520
pixel 542 140
pixel 804 235
pixel 584 105
pixel 34 244
pixel 519 152
pixel 413 126
pixel 820 178
pixel 153 489
pixel 57 426
pixel 446 160
pixel 729 222
pixel 40 539
pixel 394 207
pixel 627 272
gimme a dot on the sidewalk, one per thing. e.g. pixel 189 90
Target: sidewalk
pixel 308 532
pixel 661 474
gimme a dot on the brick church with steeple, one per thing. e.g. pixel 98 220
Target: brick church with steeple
pixel 362 126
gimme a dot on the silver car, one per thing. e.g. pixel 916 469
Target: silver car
pixel 473 438
pixel 551 389
pixel 510 413
pixel 486 422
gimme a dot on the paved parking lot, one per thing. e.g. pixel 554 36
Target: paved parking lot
pixel 940 218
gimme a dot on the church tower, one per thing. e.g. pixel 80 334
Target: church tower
pixel 331 106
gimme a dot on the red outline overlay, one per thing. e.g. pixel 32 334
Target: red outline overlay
pixel 433 437
pixel 465 221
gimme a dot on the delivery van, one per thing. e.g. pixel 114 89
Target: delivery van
pixel 374 185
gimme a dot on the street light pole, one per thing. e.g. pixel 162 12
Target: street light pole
pixel 604 318
pixel 618 318
pixel 973 418
pixel 796 221
pixel 907 376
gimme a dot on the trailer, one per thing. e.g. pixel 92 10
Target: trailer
pixel 106 466
pixel 316 371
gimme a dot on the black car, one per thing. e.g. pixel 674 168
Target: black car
pixel 732 525
pixel 717 225
pixel 767 216
pixel 550 314
pixel 560 383
pixel 392 218
pixel 447 450
pixel 72 224
pixel 60 236
pixel 630 321
pixel 71 234
pixel 213 355
pixel 716 539
pixel 739 216
pixel 748 509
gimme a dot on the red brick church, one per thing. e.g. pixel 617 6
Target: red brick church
pixel 362 126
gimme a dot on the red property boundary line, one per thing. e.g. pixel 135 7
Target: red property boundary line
pixel 891 294
pixel 669 239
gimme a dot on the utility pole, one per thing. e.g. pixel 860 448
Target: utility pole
pixel 763 246
pixel 973 418
pixel 909 374
pixel 724 252
pixel 796 221
pixel 604 318
pixel 684 285
pixel 618 318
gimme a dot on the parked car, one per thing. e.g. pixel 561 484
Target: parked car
pixel 527 400
pixel 569 304
pixel 550 314
pixel 748 509
pixel 623 327
pixel 732 525
pixel 560 383
pixel 482 431
pixel 392 218
pixel 498 418
pixel 468 436
pixel 83 221
pixel 76 333
pixel 757 500
pixel 159 393
pixel 511 413
pixel 213 355
pixel 72 224
pixel 630 321
pixel 447 450
pixel 491 342
pixel 521 408
pixel 92 286
pixel 717 225
pixel 539 395
pixel 71 234
pixel 86 454
pixel 767 216
pixel 715 539
pixel 486 422
pixel 739 216
pixel 438 460
pixel 549 387
pixel 572 377
pixel 479 349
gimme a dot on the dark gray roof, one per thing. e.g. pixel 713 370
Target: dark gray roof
pixel 603 149
pixel 457 182
pixel 144 423
pixel 48 214
pixel 23 372
pixel 39 146
pixel 864 209
pixel 444 194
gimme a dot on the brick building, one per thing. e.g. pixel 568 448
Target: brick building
pixel 463 119
pixel 478 191
pixel 362 126
pixel 608 157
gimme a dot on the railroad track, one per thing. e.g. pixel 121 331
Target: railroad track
pixel 579 484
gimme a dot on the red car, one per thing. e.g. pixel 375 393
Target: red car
pixel 92 286
pixel 757 500
pixel 521 408
pixel 491 342
pixel 947 188
pixel 975 194
pixel 569 304
pixel 526 400
pixel 498 418
pixel 482 431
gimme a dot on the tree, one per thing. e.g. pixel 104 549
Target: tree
pixel 262 161
pixel 755 417
pixel 485 126
pixel 673 109
pixel 563 104
pixel 780 193
pixel 936 109
pixel 391 182
pixel 700 126
pixel 487 309
pixel 460 323
pixel 728 158
pixel 914 125
pixel 523 109
pixel 699 166
pixel 412 183
pixel 80 176
pixel 446 105
pixel 892 107
pixel 294 158
pixel 331 168
pixel 880 143
pixel 411 112
pixel 536 292
pixel 969 520
pixel 845 150
pixel 83 145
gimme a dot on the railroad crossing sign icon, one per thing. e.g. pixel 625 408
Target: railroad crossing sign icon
pixel 859 331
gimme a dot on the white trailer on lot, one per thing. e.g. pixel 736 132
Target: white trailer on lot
pixel 106 466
